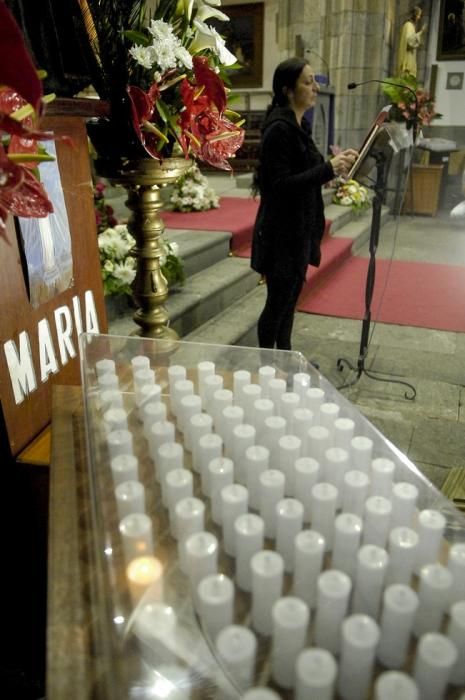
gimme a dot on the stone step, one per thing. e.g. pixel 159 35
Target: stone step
pixel 199 249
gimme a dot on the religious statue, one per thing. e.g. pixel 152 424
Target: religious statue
pixel 410 40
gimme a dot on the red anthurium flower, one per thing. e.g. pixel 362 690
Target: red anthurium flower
pixel 142 107
pixel 16 67
pixel 214 87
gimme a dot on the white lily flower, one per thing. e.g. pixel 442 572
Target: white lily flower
pixel 205 12
pixel 208 38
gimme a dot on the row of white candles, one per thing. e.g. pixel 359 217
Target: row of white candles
pixel 391 504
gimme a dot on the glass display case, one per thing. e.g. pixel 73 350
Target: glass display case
pixel 252 530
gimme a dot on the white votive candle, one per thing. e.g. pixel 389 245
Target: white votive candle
pixel 274 429
pixel 314 397
pixel 343 432
pixel 215 594
pixel 271 490
pixel 130 498
pixel 402 548
pixel 260 693
pixel 201 550
pixel 376 520
pixel 289 450
pixel 204 370
pixel 347 535
pixel 288 403
pixel 456 634
pixel 356 486
pixel 456 565
pixel 189 516
pixel 403 498
pixel 395 685
pixel 249 394
pixel 143 377
pixel 359 639
pixel 301 383
pixel 115 419
pixel 382 477
pixel 318 441
pixel 265 374
pixel 262 409
pixel 220 474
pixel 361 453
pixel 249 537
pixel 316 671
pixel 178 485
pixel 290 618
pixel 124 468
pixel 234 502
pixel 198 425
pixel 181 388
pixel 145 578
pixel 170 455
pixel 153 412
pixel 189 405
pixel 120 442
pixel 400 604
pixel 221 399
pixel 230 418
pixel 108 380
pixel 302 421
pixel 309 549
pixel 435 658
pixel 333 591
pixel 148 393
pixel 160 432
pixel 372 562
pixel 176 373
pixel 430 528
pixel 243 437
pixel 335 466
pixel 237 646
pixel 289 522
pixel 276 388
pixel 105 366
pixel 210 447
pixel 324 500
pixel 267 585
pixel 139 362
pixel 306 475
pixel 329 412
pixel 433 596
pixel 155 626
pixel 136 533
pixel 241 377
pixel 111 398
pixel 256 461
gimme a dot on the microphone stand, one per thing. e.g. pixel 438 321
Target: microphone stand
pixel 379 188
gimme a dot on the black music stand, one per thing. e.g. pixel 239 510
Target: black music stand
pixel 376 153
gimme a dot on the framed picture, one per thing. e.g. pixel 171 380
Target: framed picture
pixel 451 36
pixel 244 38
pixel 454 81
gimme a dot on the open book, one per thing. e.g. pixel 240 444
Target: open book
pixel 377 141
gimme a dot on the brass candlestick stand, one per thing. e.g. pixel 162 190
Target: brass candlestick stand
pixel 143 179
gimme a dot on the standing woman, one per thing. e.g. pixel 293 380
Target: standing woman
pixel 290 219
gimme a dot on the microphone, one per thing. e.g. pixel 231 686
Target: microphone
pixel 352 86
pixel 324 62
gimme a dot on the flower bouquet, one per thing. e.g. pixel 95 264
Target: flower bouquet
pixel 352 194
pixel 164 76
pixel 404 106
pixel 193 193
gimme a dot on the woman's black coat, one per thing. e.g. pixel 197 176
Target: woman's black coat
pixel 290 220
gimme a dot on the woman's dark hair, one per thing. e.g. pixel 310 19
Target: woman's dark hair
pixel 285 77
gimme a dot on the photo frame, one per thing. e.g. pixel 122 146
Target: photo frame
pixel 451 35
pixel 244 38
pixel 454 81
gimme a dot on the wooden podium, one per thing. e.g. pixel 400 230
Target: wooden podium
pixel 424 187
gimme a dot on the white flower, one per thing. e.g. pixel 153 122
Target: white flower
pixel 160 30
pixel 143 55
pixel 166 56
pixel 183 56
pixel 124 273
pixel 208 38
pixel 346 201
pixel 108 266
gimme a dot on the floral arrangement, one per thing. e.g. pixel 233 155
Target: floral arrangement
pixel 352 194
pixel 193 193
pixel 21 102
pixel 404 106
pixel 115 244
pixel 164 76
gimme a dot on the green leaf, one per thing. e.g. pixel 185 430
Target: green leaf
pixel 137 37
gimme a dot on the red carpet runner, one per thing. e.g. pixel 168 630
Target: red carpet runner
pixel 425 295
